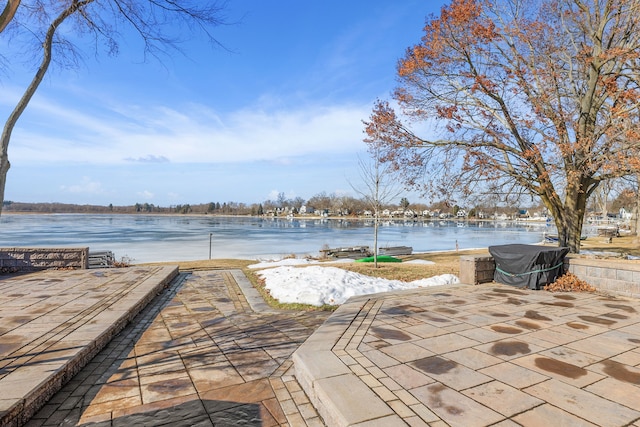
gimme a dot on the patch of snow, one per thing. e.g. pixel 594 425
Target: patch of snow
pixel 282 262
pixel 316 285
pixel 601 253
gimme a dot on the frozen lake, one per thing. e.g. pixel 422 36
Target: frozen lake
pixel 147 238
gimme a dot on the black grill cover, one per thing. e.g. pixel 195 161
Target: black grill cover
pixel 528 266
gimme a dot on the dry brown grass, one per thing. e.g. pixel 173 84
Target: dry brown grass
pixel 627 245
pixel 444 263
pixel 210 264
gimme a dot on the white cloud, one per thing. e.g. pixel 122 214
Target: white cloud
pixel 150 158
pixel 146 194
pixel 193 134
pixel 86 186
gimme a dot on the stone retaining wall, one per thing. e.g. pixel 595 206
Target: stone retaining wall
pixel 476 269
pixel 30 259
pixel 612 276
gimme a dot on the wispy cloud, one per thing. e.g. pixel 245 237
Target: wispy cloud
pixel 147 195
pixel 284 111
pixel 190 134
pixel 86 186
pixel 150 158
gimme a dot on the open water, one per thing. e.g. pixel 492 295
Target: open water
pixel 148 238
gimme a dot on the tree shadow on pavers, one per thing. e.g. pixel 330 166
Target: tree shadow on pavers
pixel 58 353
pixel 265 330
pixel 252 345
pixel 198 413
pixel 77 393
pixel 8 273
pixel 245 340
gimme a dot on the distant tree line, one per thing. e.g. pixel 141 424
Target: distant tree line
pixel 319 204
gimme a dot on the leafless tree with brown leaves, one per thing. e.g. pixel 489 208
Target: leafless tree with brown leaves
pixel 534 95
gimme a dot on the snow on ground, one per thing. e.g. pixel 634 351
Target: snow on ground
pixel 304 261
pixel 316 285
pixel 607 254
pixel 285 261
pixel 419 261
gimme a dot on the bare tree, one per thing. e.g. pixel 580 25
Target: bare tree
pixel 8 13
pixel 321 201
pixel 282 199
pixel 631 194
pixel 535 96
pixel 636 212
pixel 39 21
pixel 379 187
pixel 601 198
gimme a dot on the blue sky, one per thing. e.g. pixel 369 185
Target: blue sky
pixel 279 110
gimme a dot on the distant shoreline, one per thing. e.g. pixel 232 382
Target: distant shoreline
pixel 295 217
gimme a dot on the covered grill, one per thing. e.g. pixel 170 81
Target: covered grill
pixel 528 266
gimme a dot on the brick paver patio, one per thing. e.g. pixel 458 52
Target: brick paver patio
pixel 207 351
pixel 197 356
pixel 476 356
pixel 53 322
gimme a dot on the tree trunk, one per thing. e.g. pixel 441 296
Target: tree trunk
pixel 635 221
pixel 10 124
pixel 569 219
pixel 573 224
pixel 4 168
pixel 8 13
pixel 47 45
pixel 375 240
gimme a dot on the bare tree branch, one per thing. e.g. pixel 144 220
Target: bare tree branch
pixel 542 97
pixel 8 13
pixel 160 24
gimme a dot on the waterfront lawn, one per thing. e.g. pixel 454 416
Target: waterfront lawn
pixel 443 263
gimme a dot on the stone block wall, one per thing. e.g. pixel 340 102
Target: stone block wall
pixel 475 269
pixel 30 259
pixel 618 277
pixel 610 276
